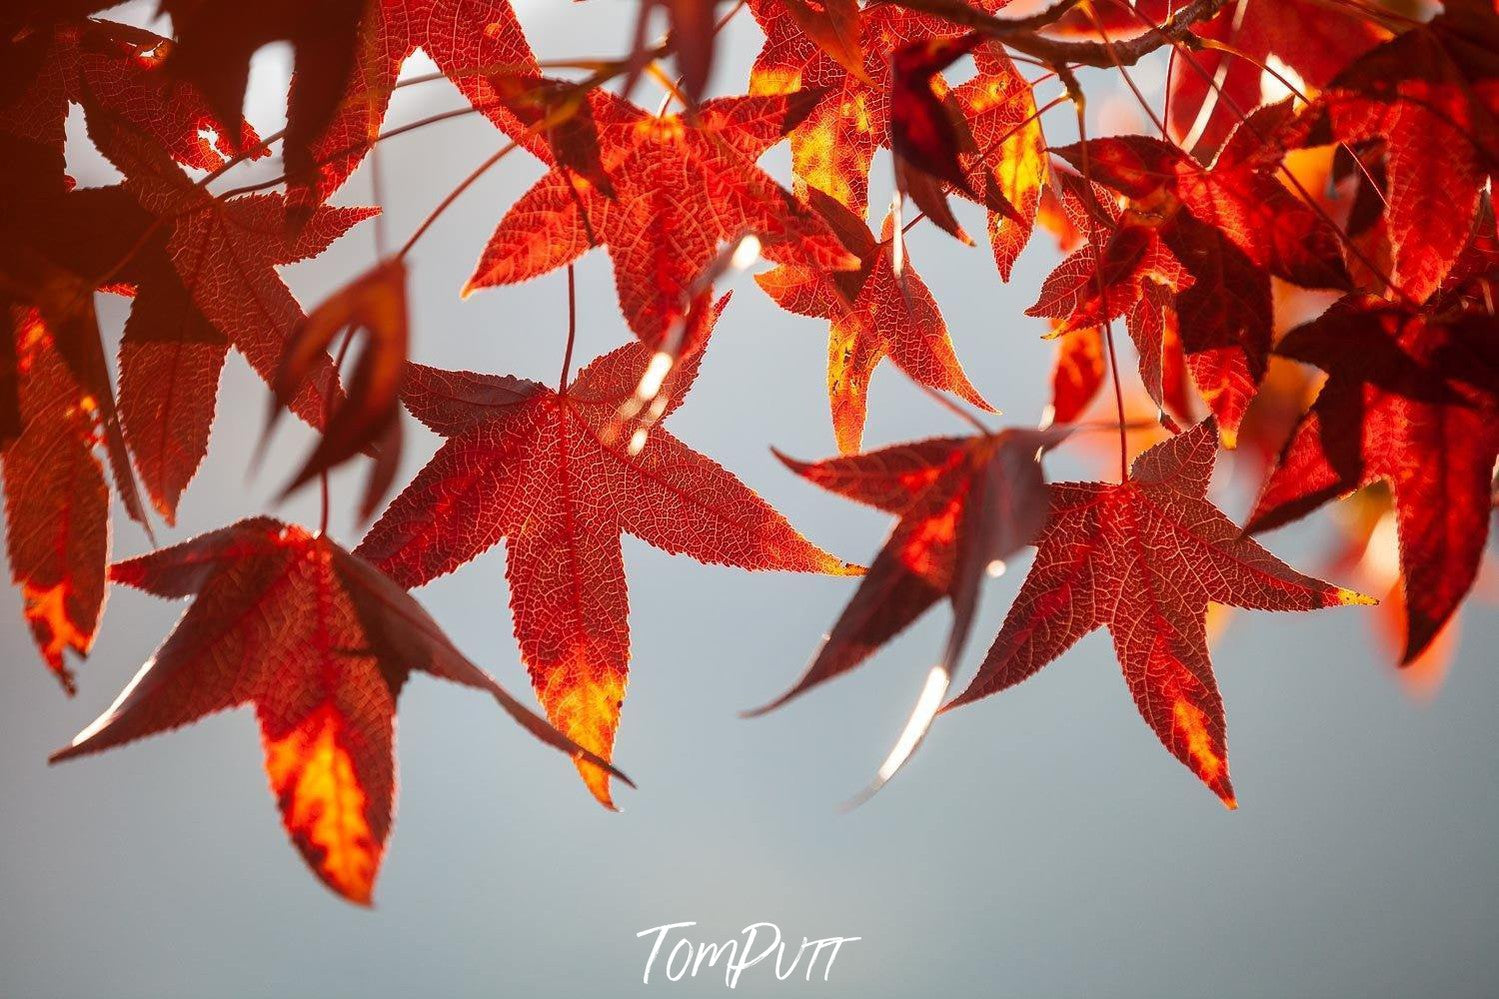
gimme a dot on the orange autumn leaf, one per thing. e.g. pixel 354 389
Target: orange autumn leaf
pixel 321 644
pixel 56 504
pixel 875 314
pixel 1372 177
pixel 683 188
pixel 545 472
pixel 1240 194
pixel 1171 276
pixel 999 108
pixel 833 148
pixel 1077 374
pixel 929 138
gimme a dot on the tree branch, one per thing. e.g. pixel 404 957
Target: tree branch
pixel 1022 34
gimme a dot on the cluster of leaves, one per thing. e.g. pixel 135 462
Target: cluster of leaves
pixel 1368 185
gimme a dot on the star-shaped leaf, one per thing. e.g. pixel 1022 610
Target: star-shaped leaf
pixel 544 471
pixel 1240 194
pixel 321 643
pixel 999 108
pixel 1144 558
pixel 204 273
pixel 1171 275
pixel 683 189
pixel 474 42
pixel 832 149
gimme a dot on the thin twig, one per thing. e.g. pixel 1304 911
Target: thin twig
pixel 1021 33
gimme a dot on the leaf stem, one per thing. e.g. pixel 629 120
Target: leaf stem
pixel 323 491
pixel 952 407
pixel 350 149
pixel 1128 80
pixel 454 194
pixel 572 330
pixel 1079 101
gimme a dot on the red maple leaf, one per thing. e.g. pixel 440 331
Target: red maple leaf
pixel 57 403
pixel 1144 558
pixel 473 42
pixel 833 148
pixel 1239 194
pixel 56 502
pixel 1412 398
pixel 929 138
pixel 321 644
pixel 832 25
pixel 203 270
pixel 1312 40
pixel 965 504
pixel 683 190
pixel 1124 270
pixel 1077 373
pixel 109 69
pixel 1170 273
pixel 40 282
pixel 215 41
pixel 543 471
pixel 874 314
pixel 1431 97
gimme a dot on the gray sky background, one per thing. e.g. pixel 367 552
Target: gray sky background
pixel 1042 843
